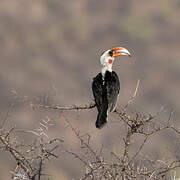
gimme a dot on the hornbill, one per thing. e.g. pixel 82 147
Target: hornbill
pixel 106 85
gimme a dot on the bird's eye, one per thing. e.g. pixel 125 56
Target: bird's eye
pixel 111 52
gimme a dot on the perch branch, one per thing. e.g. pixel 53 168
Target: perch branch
pixel 63 108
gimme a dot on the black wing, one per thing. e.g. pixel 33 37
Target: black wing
pixel 100 95
pixel 113 88
pixel 98 90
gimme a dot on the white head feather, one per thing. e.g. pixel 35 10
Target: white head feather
pixel 107 58
pixel 106 61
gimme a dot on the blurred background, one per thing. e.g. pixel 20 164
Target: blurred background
pixel 49 53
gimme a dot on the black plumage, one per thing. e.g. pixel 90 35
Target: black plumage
pixel 105 90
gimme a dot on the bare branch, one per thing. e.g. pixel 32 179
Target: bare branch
pixel 64 108
pixel 134 95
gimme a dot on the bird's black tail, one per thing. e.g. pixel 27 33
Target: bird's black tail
pixel 101 119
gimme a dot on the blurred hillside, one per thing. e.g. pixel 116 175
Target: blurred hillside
pixel 50 51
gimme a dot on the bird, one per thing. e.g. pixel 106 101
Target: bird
pixel 106 85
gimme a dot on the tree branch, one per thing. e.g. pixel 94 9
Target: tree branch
pixel 63 108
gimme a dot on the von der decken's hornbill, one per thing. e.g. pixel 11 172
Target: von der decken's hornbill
pixel 106 85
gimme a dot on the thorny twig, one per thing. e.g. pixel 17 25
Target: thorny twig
pixel 94 161
pixel 134 95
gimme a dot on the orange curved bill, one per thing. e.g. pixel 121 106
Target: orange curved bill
pixel 120 51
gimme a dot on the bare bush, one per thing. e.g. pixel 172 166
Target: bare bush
pixel 29 158
pixel 126 166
